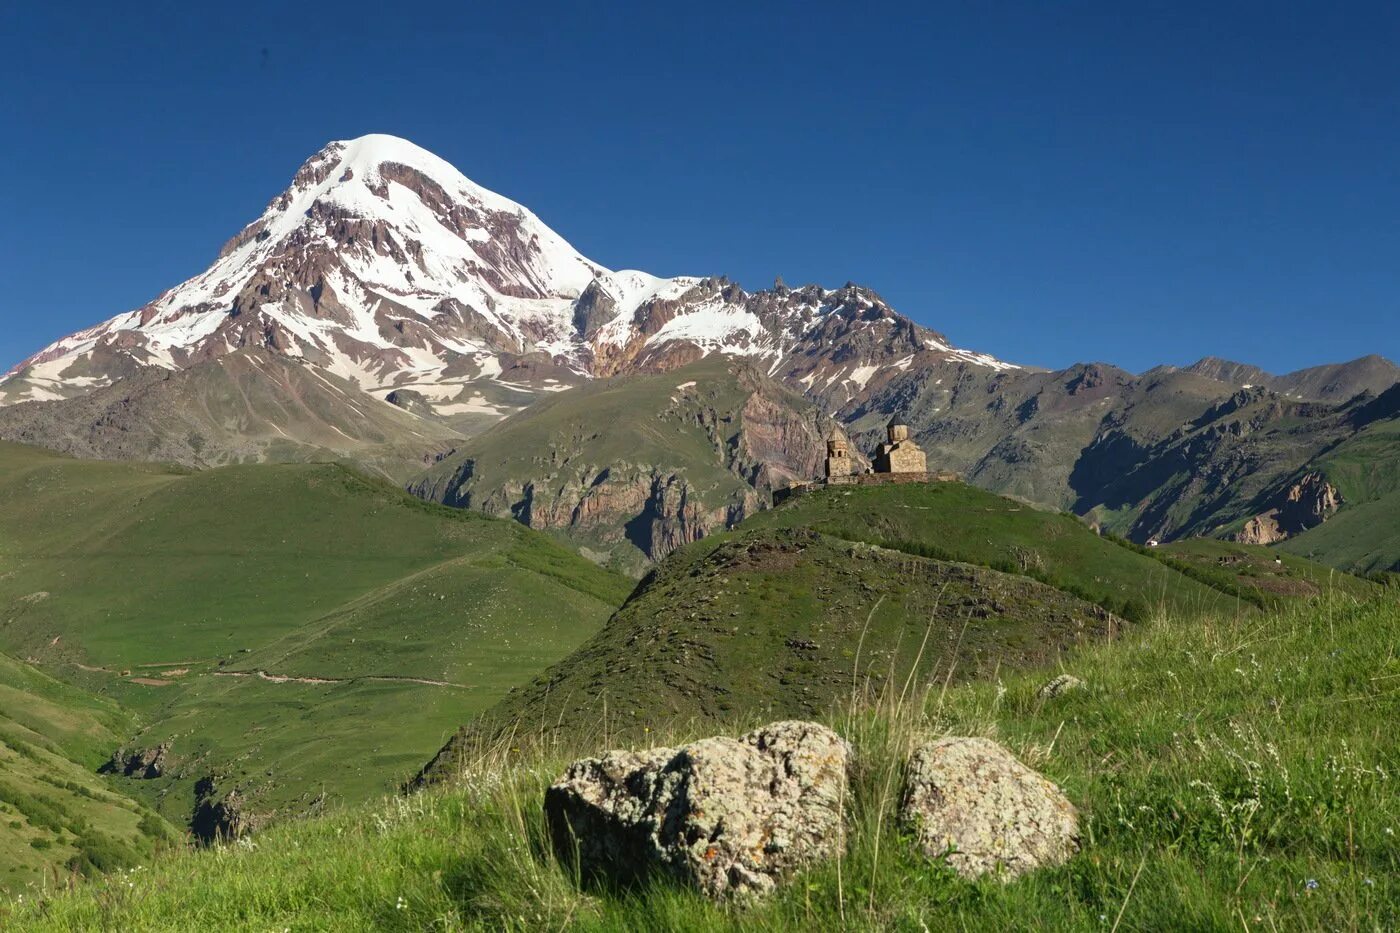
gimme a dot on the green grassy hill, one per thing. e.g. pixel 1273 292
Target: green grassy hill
pixel 631 468
pixel 1231 773
pixel 847 592
pixel 57 817
pixel 954 521
pixel 300 633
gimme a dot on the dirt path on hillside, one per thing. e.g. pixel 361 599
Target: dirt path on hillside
pixel 386 678
pixel 265 676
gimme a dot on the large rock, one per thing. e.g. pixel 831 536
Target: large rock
pixel 970 801
pixel 727 816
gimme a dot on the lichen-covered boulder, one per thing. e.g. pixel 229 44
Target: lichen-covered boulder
pixel 970 801
pixel 727 816
pixel 1058 686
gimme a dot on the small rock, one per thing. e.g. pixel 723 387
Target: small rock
pixel 970 801
pixel 730 817
pixel 1058 686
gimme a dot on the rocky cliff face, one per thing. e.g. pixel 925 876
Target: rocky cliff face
pixel 220 816
pixel 634 467
pixel 1304 504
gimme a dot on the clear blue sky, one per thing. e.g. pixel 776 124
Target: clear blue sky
pixel 1049 182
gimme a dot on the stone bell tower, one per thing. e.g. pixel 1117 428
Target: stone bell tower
pixel 838 455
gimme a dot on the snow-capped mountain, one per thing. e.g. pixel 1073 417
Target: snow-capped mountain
pixel 384 265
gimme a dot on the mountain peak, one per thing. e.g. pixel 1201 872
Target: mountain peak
pixel 383 264
pixel 363 156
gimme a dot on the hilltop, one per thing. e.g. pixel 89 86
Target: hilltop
pixel 845 593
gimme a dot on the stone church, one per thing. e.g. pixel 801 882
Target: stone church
pixel 899 454
pixel 838 455
pixel 899 457
pixel 898 460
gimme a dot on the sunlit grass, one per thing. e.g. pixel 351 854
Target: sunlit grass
pixel 1231 774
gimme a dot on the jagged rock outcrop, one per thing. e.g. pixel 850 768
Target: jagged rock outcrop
pixel 220 816
pixel 1304 504
pixel 730 817
pixel 971 803
pixel 138 762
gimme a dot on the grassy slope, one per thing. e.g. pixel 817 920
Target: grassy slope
pixel 1231 774
pixel 834 591
pixel 152 586
pixel 600 444
pixel 614 422
pixel 1270 575
pixel 771 624
pixel 248 406
pixel 54 810
pixel 954 521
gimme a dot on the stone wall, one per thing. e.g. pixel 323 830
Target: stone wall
pixel 866 479
pixel 875 479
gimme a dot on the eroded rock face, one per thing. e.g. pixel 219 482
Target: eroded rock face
pixel 664 494
pixel 1261 529
pixel 972 803
pixel 728 816
pixel 1303 505
pixel 221 817
pixel 138 762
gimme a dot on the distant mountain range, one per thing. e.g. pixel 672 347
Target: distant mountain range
pixel 386 310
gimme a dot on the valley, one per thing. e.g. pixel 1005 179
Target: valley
pixel 298 635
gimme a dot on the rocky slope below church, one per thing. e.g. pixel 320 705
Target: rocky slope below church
pixel 631 468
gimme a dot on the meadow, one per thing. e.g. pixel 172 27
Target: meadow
pixel 1232 773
